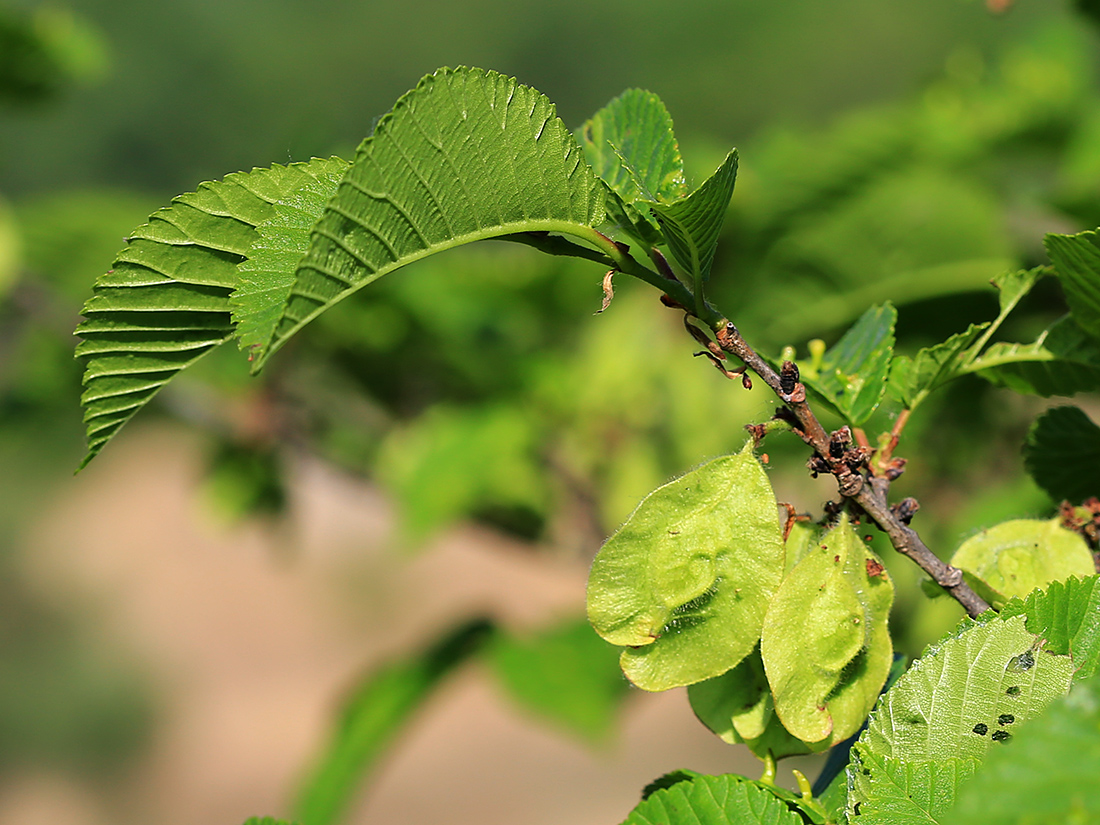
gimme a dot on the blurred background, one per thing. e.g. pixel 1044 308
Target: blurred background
pixel 180 622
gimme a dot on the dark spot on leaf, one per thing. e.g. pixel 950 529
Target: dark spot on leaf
pixel 1001 736
pixel 836 559
pixel 873 567
pixel 981 729
pixel 1013 691
pixel 915 720
pixel 1006 719
pixel 1025 661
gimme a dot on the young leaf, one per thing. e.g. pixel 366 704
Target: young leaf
pixel 1013 285
pixel 631 146
pixel 1048 774
pixel 825 641
pixel 912 380
pixel 713 800
pixel 374 715
pixel 935 366
pixel 1064 360
pixel 1067 615
pixel 1015 557
pixel 852 376
pixel 467 155
pixel 567 675
pixel 166 302
pixel 691 225
pixel 1062 454
pixel 684 584
pixel 932 728
pixel 1077 264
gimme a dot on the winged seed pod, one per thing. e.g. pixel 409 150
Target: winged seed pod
pixel 825 641
pixel 684 584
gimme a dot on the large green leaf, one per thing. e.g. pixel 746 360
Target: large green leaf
pixel 692 224
pixel 713 800
pixel 825 640
pixel 567 675
pixel 931 729
pixel 374 715
pixel 631 145
pixel 467 155
pixel 1049 774
pixel 1015 557
pixel 1077 264
pixel 684 584
pixel 165 303
pixel 853 372
pixel 1062 454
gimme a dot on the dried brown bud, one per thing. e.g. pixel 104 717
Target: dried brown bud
pixel 788 377
pixel 905 509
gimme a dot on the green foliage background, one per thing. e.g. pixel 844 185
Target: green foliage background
pixel 906 153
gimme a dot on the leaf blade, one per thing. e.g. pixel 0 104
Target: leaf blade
pixel 691 225
pixel 713 800
pixel 1062 454
pixel 854 371
pixel 468 155
pixel 1077 264
pixel 631 145
pixel 165 303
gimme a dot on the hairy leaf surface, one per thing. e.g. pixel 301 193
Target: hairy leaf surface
pixel 467 155
pixel 853 373
pixel 1015 557
pixel 684 584
pixel 373 716
pixel 1067 615
pixel 1062 454
pixel 1048 774
pixel 825 641
pixel 713 800
pixel 1077 264
pixel 165 303
pixel 963 696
